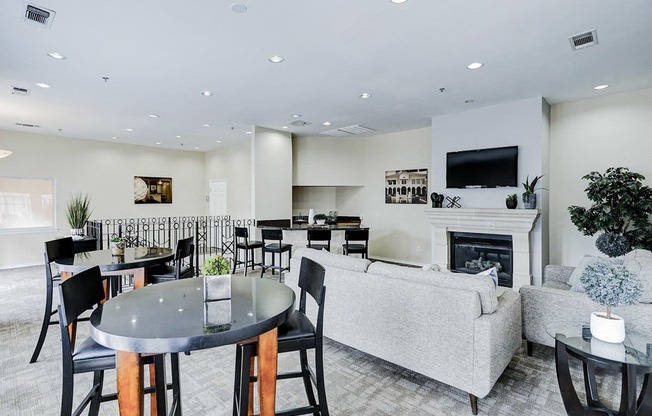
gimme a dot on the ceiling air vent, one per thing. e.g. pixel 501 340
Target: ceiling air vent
pixel 38 16
pixel 300 123
pixel 28 125
pixel 583 40
pixel 354 130
pixel 19 91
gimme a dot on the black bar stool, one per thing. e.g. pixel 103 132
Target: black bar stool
pixel 242 242
pixel 274 248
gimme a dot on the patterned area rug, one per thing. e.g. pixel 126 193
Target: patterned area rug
pixel 356 383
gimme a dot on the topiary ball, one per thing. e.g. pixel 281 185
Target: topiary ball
pixel 612 244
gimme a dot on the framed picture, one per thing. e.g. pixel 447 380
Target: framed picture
pixel 408 186
pixel 152 190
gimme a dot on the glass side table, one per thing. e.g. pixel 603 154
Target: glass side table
pixel 631 357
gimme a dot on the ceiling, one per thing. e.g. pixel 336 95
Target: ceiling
pixel 128 59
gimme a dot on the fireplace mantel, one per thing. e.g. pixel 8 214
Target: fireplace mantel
pixel 515 222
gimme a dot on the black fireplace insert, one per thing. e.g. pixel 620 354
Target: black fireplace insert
pixel 473 253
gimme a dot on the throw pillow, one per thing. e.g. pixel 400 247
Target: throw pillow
pixel 640 262
pixel 493 273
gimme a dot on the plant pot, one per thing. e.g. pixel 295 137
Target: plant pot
pixel 320 222
pixel 117 248
pixel 217 287
pixel 511 203
pixel 529 201
pixel 607 330
pixel 77 233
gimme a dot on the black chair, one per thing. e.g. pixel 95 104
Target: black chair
pixel 356 242
pixel 276 246
pixel 317 234
pixel 297 334
pixel 242 242
pixel 182 267
pixel 54 250
pixel 79 293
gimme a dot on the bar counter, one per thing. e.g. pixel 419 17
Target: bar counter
pixel 296 233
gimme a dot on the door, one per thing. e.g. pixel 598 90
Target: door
pixel 217 197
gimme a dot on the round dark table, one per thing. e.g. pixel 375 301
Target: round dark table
pixel 631 357
pixel 173 317
pixel 134 261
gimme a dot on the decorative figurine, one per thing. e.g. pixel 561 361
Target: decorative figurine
pixel 453 202
pixel 437 199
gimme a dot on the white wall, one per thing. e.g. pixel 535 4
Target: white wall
pixel 272 172
pixel 233 163
pixel 523 123
pixel 335 161
pixel 103 170
pixel 593 135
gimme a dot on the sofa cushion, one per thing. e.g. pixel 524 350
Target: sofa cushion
pixel 483 285
pixel 640 262
pixel 326 258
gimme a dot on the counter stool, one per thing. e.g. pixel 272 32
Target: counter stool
pixel 360 246
pixel 242 242
pixel 319 234
pixel 277 247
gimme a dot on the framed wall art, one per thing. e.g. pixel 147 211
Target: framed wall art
pixel 408 186
pixel 152 190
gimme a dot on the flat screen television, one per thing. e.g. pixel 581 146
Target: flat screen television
pixel 482 168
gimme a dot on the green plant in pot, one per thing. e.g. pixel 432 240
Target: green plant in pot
pixel 216 265
pixel 529 196
pixel 320 218
pixel 117 245
pixel 620 211
pixel 511 201
pixel 610 285
pixel 78 212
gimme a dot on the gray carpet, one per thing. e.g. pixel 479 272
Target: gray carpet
pixel 356 383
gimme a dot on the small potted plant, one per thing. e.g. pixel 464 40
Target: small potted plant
pixel 529 197
pixel 117 245
pixel 511 201
pixel 610 285
pixel 78 212
pixel 216 265
pixel 320 219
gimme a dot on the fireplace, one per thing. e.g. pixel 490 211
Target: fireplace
pixel 473 253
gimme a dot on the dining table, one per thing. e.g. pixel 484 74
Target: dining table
pixel 183 316
pixel 134 261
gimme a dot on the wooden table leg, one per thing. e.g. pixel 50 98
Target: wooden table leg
pixel 267 365
pixel 130 383
pixel 139 278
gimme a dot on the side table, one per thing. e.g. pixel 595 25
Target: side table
pixel 631 357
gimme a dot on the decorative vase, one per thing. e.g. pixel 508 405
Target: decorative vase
pixel 77 233
pixel 607 330
pixel 511 203
pixel 311 216
pixel 117 248
pixel 529 201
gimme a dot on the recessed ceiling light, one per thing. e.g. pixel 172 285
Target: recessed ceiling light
pixel 178 137
pixel 247 132
pixel 129 129
pixel 365 95
pixel 275 59
pixel 284 127
pixel 114 138
pixel 43 85
pixel 206 93
pixel 296 115
pixel 239 8
pixel 218 141
pixel 158 143
pixel 196 148
pixel 326 123
pixel 598 87
pixel 398 1
pixel 474 65
pixel 206 125
pixel 56 55
pixel 154 116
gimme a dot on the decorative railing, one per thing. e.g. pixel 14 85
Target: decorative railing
pixel 212 235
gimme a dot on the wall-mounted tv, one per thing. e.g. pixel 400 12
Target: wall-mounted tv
pixel 482 168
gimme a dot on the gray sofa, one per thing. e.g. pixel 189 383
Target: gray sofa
pixel 450 327
pixel 554 301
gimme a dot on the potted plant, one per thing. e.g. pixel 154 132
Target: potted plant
pixel 610 285
pixel 117 245
pixel 320 218
pixel 511 201
pixel 78 212
pixel 620 211
pixel 217 280
pixel 529 197
pixel 216 265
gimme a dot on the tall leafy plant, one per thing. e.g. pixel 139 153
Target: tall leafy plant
pixel 78 210
pixel 620 211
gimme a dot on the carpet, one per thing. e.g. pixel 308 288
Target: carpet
pixel 356 383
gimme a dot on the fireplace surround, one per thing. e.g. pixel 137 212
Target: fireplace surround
pixel 515 223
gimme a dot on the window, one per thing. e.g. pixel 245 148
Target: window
pixel 26 204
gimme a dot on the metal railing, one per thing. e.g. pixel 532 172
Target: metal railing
pixel 212 235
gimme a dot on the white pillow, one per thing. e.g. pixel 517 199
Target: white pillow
pixel 493 273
